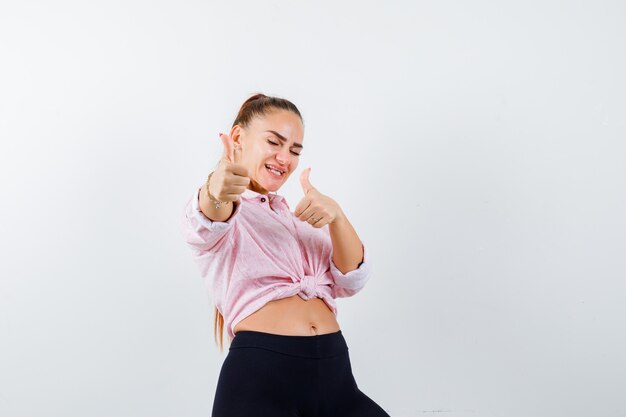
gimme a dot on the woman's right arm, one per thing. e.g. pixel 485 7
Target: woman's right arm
pixel 205 226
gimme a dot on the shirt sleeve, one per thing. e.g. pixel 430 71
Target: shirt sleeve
pixel 348 284
pixel 202 233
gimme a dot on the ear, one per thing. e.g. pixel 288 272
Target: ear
pixel 235 134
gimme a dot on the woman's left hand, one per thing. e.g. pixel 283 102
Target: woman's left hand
pixel 316 208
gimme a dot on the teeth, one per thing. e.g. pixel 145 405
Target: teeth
pixel 274 170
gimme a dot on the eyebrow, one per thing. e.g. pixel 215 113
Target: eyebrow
pixel 284 139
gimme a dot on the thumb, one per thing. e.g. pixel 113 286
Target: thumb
pixel 236 153
pixel 228 154
pixel 304 180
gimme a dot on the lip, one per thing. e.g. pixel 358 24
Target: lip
pixel 277 168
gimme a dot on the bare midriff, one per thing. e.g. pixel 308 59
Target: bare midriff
pixel 292 316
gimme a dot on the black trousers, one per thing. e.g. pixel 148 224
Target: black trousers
pixel 270 375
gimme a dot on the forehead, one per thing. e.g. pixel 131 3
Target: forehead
pixel 283 122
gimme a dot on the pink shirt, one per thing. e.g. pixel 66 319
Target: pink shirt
pixel 263 252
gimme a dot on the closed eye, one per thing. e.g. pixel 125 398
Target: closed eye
pixel 274 143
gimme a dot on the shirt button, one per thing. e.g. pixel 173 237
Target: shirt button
pixel 262 199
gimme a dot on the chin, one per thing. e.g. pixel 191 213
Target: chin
pixel 273 189
pixel 273 186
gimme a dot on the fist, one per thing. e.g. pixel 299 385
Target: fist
pixel 316 208
pixel 230 179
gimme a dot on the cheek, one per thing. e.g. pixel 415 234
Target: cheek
pixel 267 151
pixel 259 156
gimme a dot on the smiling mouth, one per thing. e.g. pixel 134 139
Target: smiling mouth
pixel 274 171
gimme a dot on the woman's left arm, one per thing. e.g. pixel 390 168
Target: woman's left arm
pixel 320 210
pixel 347 247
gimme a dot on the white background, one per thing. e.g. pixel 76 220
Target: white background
pixel 476 146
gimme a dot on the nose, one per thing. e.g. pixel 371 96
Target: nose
pixel 283 156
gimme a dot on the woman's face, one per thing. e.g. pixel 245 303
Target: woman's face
pixel 272 140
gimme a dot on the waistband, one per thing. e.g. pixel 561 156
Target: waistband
pixel 316 346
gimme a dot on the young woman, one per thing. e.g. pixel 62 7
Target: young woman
pixel 274 274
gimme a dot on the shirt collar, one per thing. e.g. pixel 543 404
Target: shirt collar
pixel 249 194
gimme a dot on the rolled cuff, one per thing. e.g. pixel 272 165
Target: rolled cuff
pixel 352 281
pixel 201 232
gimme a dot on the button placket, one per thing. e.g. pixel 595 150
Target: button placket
pixel 264 199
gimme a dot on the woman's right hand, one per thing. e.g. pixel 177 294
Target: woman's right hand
pixel 230 179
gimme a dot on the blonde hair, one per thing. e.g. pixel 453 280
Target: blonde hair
pixel 218 325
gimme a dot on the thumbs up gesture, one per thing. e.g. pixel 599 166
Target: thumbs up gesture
pixel 230 179
pixel 316 208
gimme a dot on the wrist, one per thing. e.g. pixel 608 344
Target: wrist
pixel 340 218
pixel 211 196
